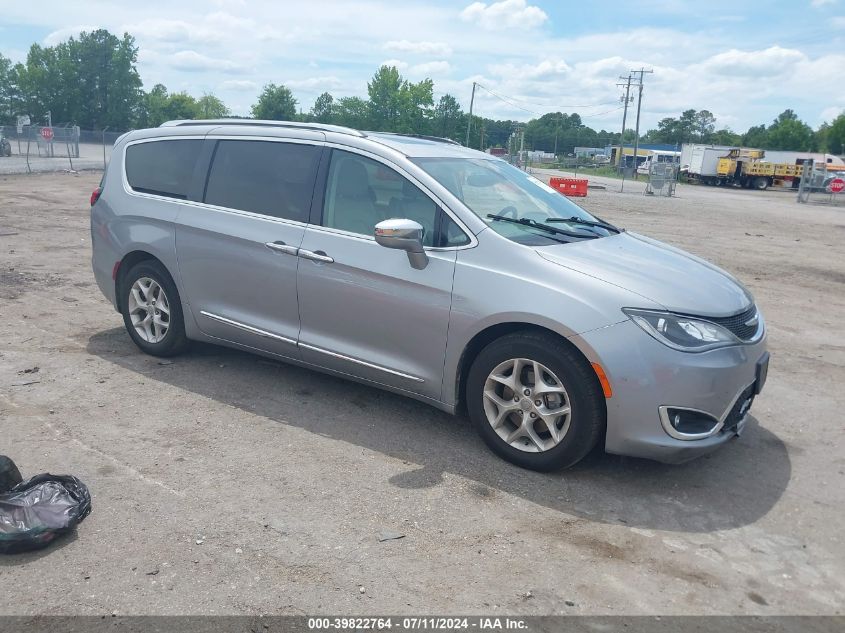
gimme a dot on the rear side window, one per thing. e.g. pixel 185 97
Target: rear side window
pixel 164 168
pixel 266 177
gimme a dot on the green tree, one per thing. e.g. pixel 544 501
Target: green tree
pixel 448 118
pixel 91 80
pixel 789 133
pixel 353 112
pixel 835 136
pixel 416 103
pixel 323 108
pixel 705 124
pixel 756 136
pixel 275 103
pixel 385 98
pixel 211 107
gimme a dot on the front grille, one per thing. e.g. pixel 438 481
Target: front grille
pixel 739 410
pixel 737 324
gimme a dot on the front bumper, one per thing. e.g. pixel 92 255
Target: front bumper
pixel 650 379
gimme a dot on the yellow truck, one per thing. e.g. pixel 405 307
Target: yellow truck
pixel 747 168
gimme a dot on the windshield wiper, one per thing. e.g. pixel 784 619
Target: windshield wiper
pixel 577 220
pixel 542 227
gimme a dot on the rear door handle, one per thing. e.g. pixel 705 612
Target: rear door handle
pixel 280 247
pixel 317 256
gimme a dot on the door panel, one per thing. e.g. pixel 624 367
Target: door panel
pixel 230 273
pixel 237 250
pixel 371 306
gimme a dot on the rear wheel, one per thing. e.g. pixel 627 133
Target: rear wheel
pixel 760 183
pixel 152 310
pixel 535 401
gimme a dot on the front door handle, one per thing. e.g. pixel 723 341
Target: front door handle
pixel 280 247
pixel 317 256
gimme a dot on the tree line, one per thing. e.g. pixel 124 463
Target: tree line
pixel 92 81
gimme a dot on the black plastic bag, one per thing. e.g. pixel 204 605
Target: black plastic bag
pixel 10 476
pixel 35 512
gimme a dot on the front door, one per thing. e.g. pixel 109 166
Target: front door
pixel 365 311
pixel 237 250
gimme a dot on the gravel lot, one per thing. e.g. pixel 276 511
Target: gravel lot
pixel 226 483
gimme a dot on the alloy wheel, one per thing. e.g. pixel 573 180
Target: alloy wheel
pixel 527 405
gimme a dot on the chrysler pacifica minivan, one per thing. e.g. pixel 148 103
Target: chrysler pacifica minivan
pixel 431 270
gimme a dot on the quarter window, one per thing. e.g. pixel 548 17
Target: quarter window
pixel 361 192
pixel 164 168
pixel 266 177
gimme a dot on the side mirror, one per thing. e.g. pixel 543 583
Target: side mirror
pixel 405 235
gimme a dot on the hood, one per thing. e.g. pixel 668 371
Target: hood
pixel 664 274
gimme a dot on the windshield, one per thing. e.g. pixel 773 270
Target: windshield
pixel 513 203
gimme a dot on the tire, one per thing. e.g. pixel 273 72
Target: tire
pixel 164 334
pixel 563 367
pixel 760 183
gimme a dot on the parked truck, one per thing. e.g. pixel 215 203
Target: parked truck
pixel 699 162
pixel 744 167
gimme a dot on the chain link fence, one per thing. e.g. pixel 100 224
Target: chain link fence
pixel 821 185
pixel 29 149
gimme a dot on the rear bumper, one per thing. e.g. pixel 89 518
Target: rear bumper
pixel 649 379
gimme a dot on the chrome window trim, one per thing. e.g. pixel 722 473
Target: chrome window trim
pixel 204 205
pixel 473 242
pixel 125 179
pixel 247 328
pixel 321 350
pixel 720 421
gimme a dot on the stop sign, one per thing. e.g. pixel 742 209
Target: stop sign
pixel 47 133
pixel 836 185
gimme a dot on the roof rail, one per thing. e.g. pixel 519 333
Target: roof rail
pixel 319 127
pixel 425 137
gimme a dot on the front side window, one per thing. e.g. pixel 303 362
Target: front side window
pixel 361 192
pixel 513 203
pixel 266 177
pixel 163 168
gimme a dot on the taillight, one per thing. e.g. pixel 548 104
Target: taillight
pixel 95 195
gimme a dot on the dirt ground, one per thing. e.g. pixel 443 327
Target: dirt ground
pixel 226 483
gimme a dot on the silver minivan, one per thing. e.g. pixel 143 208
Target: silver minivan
pixel 431 270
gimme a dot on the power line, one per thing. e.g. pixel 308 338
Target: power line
pixel 509 101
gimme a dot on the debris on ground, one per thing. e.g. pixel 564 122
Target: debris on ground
pixel 34 512
pixel 387 535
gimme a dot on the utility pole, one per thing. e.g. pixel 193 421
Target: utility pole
pixel 627 85
pixel 642 71
pixel 627 99
pixel 469 120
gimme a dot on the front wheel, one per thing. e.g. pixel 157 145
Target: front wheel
pixel 152 310
pixel 535 401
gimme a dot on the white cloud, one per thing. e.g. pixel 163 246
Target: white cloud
pixel 313 83
pixel 828 114
pixel 839 21
pixel 191 61
pixel 505 14
pixel 771 61
pixel 821 3
pixel 237 84
pixel 396 63
pixel 433 49
pixel 61 35
pixel 430 68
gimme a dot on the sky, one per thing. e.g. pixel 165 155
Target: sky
pixel 745 62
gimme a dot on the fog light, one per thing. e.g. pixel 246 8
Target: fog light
pixel 688 424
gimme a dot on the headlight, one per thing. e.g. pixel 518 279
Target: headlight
pixel 683 333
